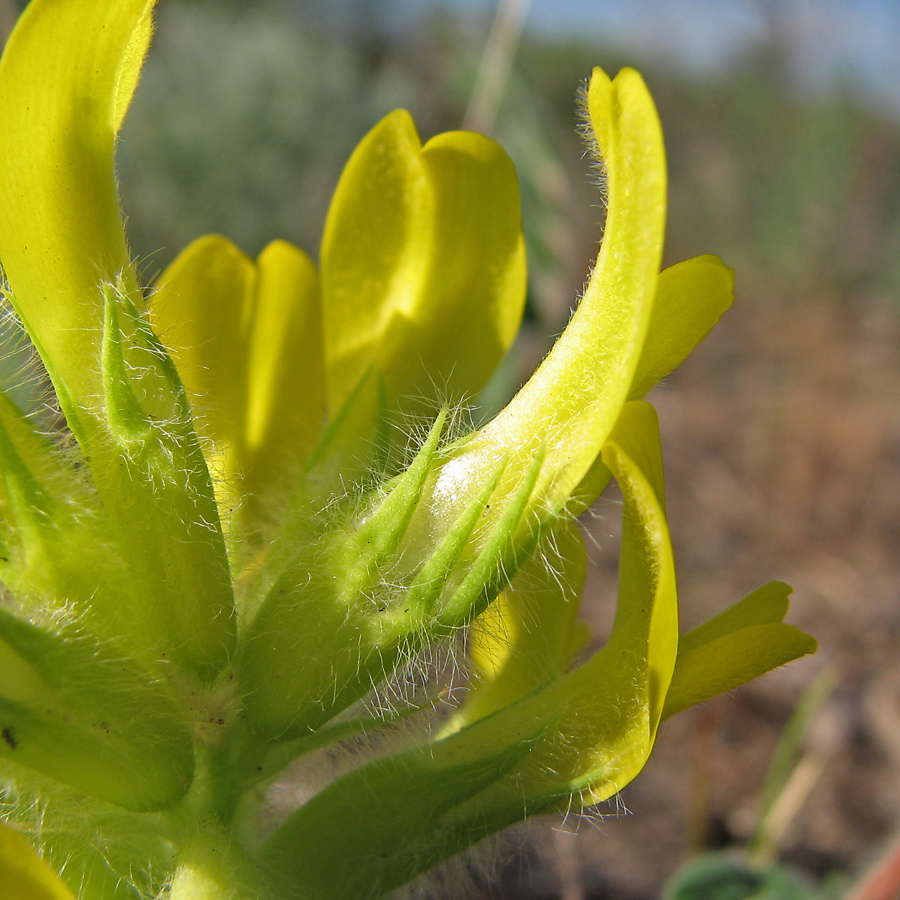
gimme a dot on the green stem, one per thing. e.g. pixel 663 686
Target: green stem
pixel 213 867
pixel 212 864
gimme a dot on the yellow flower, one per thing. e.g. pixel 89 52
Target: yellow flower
pixel 177 639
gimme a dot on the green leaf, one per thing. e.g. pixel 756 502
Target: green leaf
pixel 725 877
pixel 390 817
pixel 74 708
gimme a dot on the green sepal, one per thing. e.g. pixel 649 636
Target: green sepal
pixel 369 547
pixel 391 817
pixel 500 555
pixel 80 711
pixel 25 503
pixel 311 648
pixel 334 624
pixel 59 548
pixel 431 579
pixel 156 490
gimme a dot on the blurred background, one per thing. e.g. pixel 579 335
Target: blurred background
pixel 781 433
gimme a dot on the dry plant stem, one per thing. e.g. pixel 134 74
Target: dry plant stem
pixel 493 72
pixel 788 806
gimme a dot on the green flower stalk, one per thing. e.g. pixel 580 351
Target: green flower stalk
pixel 233 564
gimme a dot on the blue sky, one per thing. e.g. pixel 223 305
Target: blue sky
pixel 855 40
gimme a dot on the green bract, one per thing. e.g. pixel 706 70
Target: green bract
pixel 219 567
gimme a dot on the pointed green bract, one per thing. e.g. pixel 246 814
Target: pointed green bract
pixel 75 709
pixel 156 490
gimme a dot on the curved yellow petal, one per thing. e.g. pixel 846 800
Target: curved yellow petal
pixel 202 310
pixel 530 633
pixel 602 717
pixel 733 659
pixel 739 644
pixel 285 369
pixel 247 341
pixel 66 78
pixel 570 405
pixel 423 265
pixel 23 874
pixel 690 298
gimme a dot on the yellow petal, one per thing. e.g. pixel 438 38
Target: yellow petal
pixel 66 78
pixel 247 341
pixel 285 369
pixel 690 298
pixel 530 633
pixel 603 716
pixel 570 405
pixel 732 660
pixel 739 644
pixel 423 265
pixel 23 874
pixel 202 309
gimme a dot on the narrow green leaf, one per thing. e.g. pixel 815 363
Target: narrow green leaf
pixel 76 709
pixel 389 817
